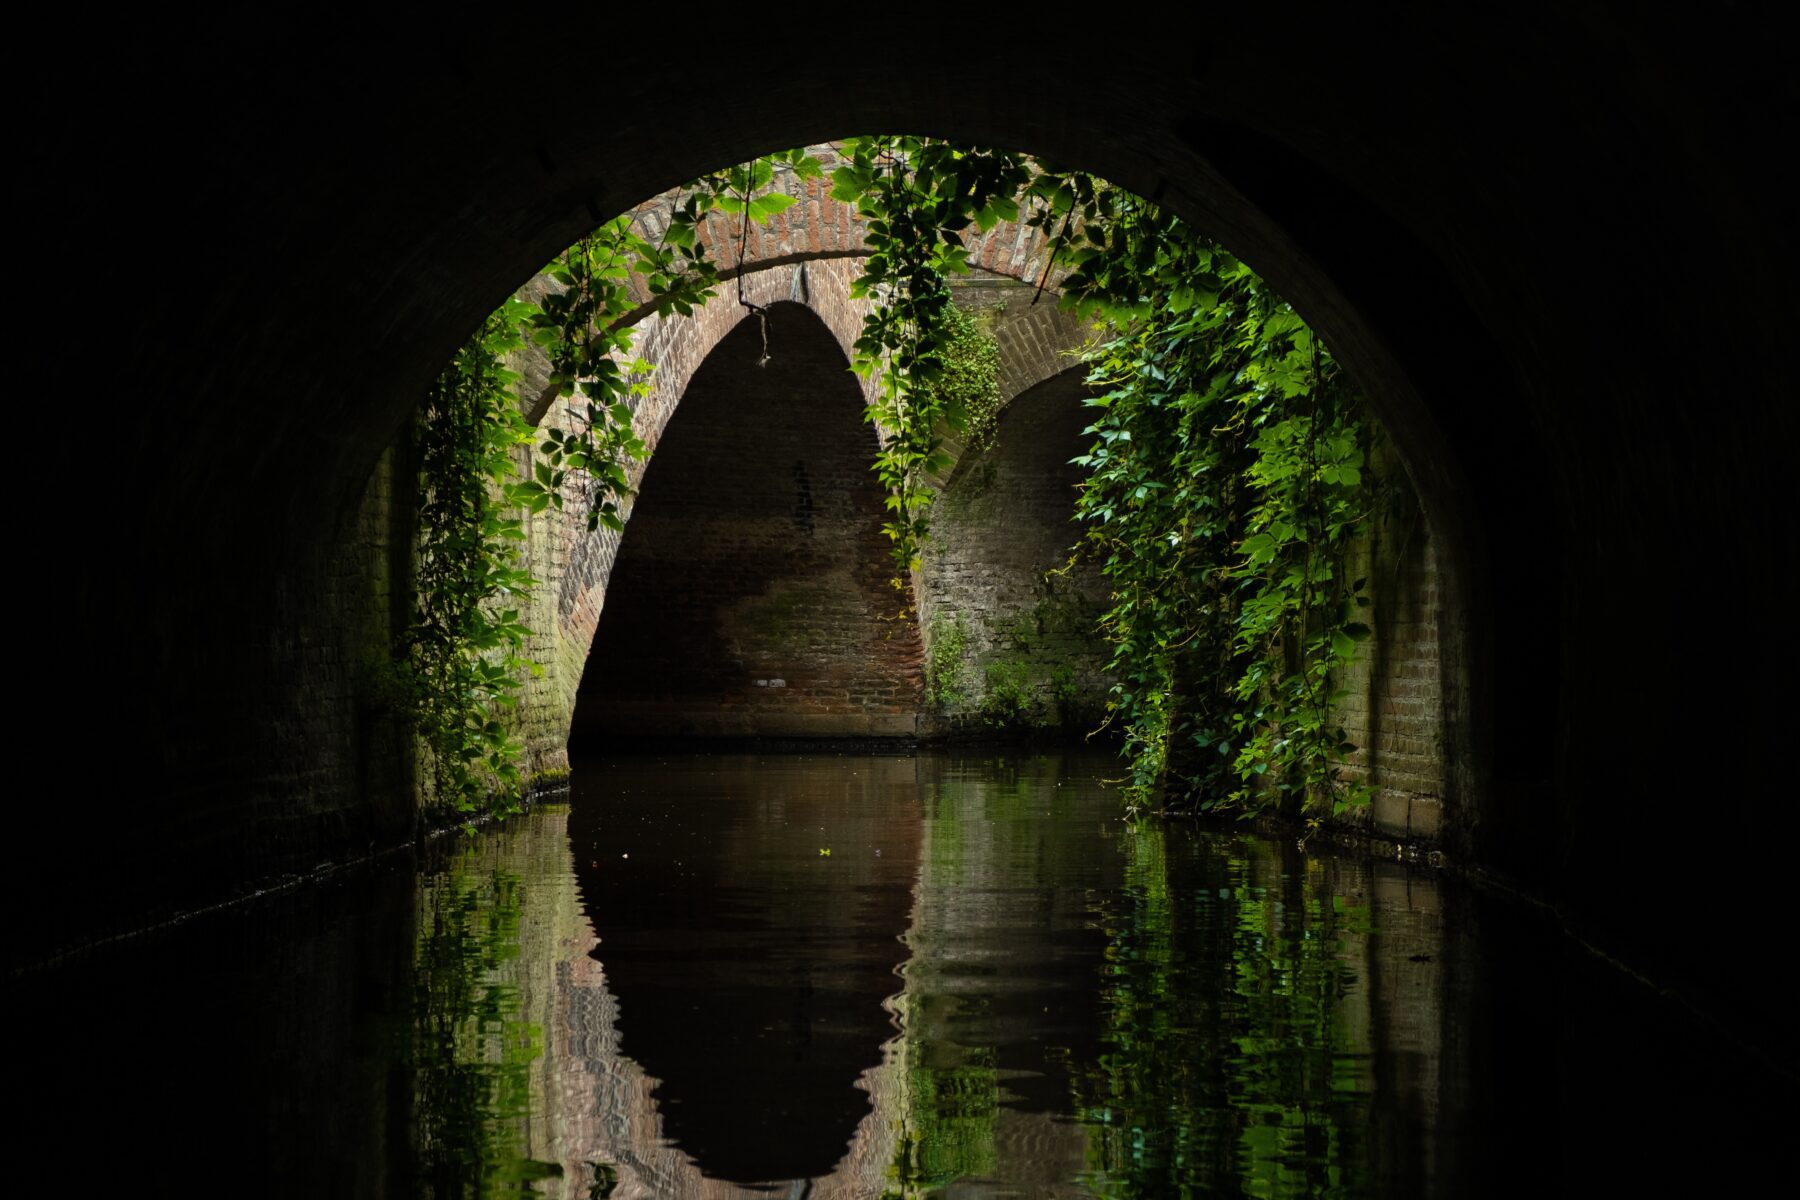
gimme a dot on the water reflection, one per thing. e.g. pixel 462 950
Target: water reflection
pixel 749 915
pixel 991 982
pixel 902 976
pixel 471 1045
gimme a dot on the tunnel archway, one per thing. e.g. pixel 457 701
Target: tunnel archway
pixel 1403 187
pixel 751 594
pixel 1000 577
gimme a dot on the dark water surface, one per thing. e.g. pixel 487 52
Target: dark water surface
pixel 943 974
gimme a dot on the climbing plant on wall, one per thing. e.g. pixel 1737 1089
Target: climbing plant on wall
pixel 462 656
pixel 1226 478
pixel 585 327
pixel 463 649
pixel 916 196
pixel 969 387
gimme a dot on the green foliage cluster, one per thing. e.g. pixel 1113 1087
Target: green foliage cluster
pixel 1008 697
pixel 463 654
pixel 1228 1066
pixel 1226 482
pixel 969 388
pixel 1011 690
pixel 586 330
pixel 946 662
pixel 464 648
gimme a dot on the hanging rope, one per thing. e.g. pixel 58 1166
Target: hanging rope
pixel 762 314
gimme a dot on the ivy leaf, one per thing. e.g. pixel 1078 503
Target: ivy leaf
pixel 848 183
pixel 764 207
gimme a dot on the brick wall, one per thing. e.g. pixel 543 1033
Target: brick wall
pixel 1009 625
pixel 1012 639
pixel 751 593
pixel 1394 710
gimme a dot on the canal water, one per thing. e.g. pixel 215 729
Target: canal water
pixel 943 974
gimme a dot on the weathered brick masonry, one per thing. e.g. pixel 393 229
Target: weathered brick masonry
pixel 726 585
pixel 329 233
pixel 751 593
pixel 1394 711
pixel 1008 619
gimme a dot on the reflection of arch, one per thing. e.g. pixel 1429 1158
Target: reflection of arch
pixel 752 974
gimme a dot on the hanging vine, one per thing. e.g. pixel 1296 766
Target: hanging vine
pixel 463 651
pixel 1226 479
pixel 462 657
pixel 1226 483
pixel 916 196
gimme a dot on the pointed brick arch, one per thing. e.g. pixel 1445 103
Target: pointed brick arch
pixel 750 595
pixel 575 567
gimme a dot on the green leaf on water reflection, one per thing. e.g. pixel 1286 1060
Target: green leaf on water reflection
pixel 1254 1085
pixel 470 1049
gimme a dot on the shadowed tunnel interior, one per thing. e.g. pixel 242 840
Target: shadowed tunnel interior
pixel 1474 212
pixel 999 569
pixel 753 578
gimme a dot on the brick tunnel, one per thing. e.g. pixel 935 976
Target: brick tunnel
pixel 751 594
pixel 1471 214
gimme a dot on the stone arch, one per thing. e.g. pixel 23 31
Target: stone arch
pixel 573 566
pixel 752 597
pixel 805 256
pixel 1446 229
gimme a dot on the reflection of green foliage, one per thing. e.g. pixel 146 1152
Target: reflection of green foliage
pixel 471 1050
pixel 1244 1086
pixel 463 650
pixel 1229 1063
pixel 952 1102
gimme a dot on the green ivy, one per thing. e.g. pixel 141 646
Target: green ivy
pixel 969 388
pixel 916 196
pixel 1008 697
pixel 1226 481
pixel 463 650
pixel 462 656
pixel 586 328
pixel 946 662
